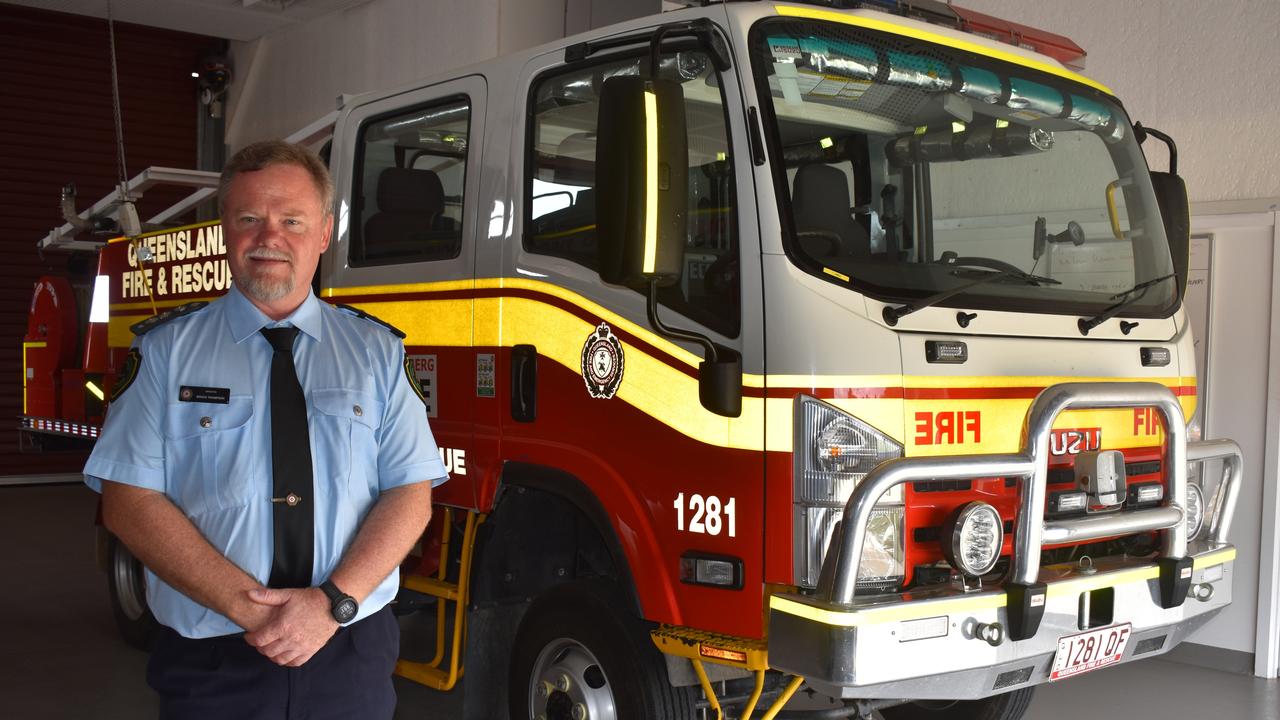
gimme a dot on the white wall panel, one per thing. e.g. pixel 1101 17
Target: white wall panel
pixel 1237 383
pixel 286 79
pixel 1204 72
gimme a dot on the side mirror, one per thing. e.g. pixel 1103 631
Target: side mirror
pixel 1171 196
pixel 642 201
pixel 642 193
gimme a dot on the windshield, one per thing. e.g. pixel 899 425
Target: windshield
pixel 913 170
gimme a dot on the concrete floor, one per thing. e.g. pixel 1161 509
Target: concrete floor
pixel 61 658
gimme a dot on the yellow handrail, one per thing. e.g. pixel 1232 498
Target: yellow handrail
pixel 430 673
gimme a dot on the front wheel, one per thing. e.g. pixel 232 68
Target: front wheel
pixel 579 656
pixel 126 582
pixel 1009 706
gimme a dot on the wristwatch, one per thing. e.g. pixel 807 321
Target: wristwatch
pixel 343 606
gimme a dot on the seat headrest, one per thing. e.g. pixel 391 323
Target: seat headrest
pixel 820 201
pixel 821 189
pixel 576 160
pixel 406 190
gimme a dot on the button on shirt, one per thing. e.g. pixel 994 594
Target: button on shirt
pixel 368 433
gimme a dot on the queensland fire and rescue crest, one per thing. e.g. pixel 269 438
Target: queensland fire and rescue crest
pixel 602 362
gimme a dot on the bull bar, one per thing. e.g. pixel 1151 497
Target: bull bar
pixel 820 636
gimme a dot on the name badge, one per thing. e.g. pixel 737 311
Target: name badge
pixel 190 393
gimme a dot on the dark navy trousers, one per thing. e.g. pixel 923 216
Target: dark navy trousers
pixel 225 678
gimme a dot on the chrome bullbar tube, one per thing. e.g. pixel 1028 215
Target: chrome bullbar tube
pixel 1229 452
pixel 949 641
pixel 1031 466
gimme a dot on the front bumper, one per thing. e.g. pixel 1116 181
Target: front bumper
pixel 930 643
pixel 866 651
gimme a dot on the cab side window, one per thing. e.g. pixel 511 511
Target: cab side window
pixel 561 185
pixel 411 171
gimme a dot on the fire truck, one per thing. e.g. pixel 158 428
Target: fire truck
pixel 769 345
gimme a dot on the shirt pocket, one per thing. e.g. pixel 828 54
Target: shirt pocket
pixel 345 435
pixel 209 453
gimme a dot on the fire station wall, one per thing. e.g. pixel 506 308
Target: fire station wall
pixel 1236 262
pixel 290 78
pixel 56 127
pixel 1204 72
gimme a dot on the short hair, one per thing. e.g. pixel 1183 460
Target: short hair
pixel 277 152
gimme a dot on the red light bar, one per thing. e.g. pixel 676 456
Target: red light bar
pixel 1058 47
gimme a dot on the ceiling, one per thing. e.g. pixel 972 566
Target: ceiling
pixel 230 19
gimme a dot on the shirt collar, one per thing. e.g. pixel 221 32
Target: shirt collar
pixel 245 319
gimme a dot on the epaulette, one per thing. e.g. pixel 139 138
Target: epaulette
pixel 375 320
pixel 155 321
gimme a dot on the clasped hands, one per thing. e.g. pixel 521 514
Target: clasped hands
pixel 291 624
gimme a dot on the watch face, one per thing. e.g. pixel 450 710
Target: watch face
pixel 344 610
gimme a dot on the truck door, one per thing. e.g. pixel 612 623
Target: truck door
pixel 407 169
pixel 617 404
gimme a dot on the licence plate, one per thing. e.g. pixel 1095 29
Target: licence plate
pixel 1089 651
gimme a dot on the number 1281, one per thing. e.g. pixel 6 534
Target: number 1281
pixel 708 515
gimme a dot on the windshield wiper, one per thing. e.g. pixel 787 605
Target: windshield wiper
pixel 1126 298
pixel 893 314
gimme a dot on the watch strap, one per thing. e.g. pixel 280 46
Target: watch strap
pixel 332 592
pixel 342 606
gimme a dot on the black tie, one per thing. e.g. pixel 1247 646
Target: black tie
pixel 293 518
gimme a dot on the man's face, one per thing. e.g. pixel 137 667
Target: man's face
pixel 275 229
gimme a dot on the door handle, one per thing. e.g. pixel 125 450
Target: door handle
pixel 524 383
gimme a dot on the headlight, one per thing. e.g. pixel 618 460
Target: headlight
pixel 833 452
pixel 1196 481
pixel 1195 510
pixel 972 537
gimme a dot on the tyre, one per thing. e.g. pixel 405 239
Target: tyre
pixel 127 585
pixel 1009 706
pixel 579 656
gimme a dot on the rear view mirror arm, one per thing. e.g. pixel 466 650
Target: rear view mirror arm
pixel 719 374
pixel 709 348
pixel 1142 132
pixel 702 29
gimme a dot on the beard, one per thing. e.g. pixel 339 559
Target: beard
pixel 265 287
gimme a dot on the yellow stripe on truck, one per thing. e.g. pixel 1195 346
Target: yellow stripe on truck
pixel 488 328
pixel 660 379
pixel 651 383
pixel 442 323
pixel 899 612
pixel 118 333
pixel 939 39
pixel 896 612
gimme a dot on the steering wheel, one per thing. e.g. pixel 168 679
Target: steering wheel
pixel 721 278
pixel 950 258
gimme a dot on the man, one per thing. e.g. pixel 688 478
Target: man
pixel 267 457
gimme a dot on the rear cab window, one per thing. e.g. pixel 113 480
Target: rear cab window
pixel 409 186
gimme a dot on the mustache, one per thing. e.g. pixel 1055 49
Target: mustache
pixel 267 254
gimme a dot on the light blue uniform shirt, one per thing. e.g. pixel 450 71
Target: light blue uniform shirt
pixel 213 460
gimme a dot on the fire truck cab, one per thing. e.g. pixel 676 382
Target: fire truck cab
pixel 781 344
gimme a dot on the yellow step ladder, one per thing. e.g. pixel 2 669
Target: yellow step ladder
pixel 432 674
pixel 698 646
